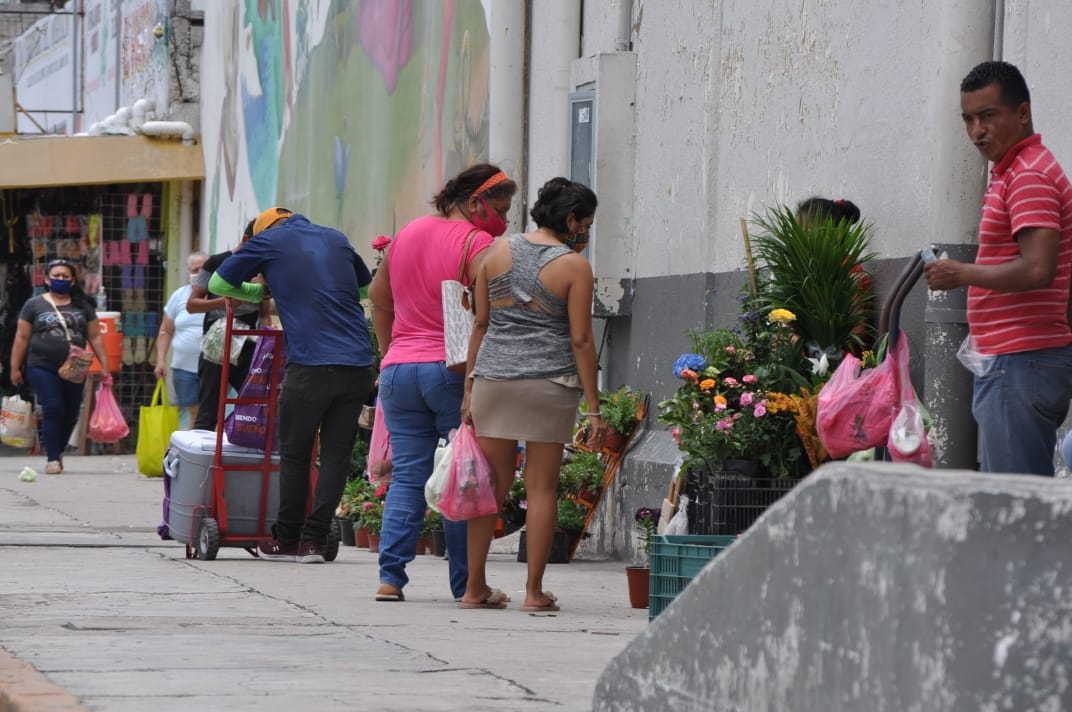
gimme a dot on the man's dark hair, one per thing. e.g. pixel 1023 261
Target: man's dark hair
pixel 1008 78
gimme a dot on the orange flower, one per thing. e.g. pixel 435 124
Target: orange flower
pixel 707 384
pixel 689 375
pixel 720 400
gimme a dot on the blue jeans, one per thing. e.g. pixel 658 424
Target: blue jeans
pixel 60 402
pixel 421 404
pixel 327 399
pixel 186 387
pixel 1019 405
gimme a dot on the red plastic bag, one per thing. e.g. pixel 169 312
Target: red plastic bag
pixel 379 458
pixel 469 491
pixel 106 425
pixel 856 409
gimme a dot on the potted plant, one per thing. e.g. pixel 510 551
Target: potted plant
pixel 814 269
pixel 638 575
pixel 514 506
pixel 372 521
pixel 581 476
pixel 621 410
pixel 431 528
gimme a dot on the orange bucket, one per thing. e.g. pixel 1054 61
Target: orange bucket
pixel 112 336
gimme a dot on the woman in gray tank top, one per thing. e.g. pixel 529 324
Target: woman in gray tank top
pixel 531 355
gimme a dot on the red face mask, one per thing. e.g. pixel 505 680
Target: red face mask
pixel 492 224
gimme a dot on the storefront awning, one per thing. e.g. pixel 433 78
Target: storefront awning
pixel 32 162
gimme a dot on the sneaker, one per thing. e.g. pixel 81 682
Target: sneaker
pixel 275 550
pixel 310 552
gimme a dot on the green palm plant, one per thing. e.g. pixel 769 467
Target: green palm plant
pixel 813 271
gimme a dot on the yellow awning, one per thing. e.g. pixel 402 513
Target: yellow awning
pixel 31 162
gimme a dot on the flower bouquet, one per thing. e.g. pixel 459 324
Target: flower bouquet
pixel 741 395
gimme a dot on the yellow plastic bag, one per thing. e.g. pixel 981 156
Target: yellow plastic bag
pixel 156 423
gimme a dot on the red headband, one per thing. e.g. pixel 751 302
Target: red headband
pixel 490 183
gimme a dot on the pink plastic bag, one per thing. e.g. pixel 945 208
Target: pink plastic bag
pixel 379 458
pixel 469 491
pixel 856 409
pixel 106 425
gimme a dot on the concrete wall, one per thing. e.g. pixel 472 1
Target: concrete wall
pixel 740 106
pixel 882 588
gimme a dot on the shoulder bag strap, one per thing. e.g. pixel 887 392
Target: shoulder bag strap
pixel 465 256
pixel 63 320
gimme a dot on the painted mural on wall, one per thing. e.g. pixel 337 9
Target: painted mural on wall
pixel 350 111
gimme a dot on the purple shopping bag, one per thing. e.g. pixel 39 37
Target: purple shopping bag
pixel 247 425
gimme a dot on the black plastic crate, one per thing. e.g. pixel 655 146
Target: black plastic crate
pixel 727 502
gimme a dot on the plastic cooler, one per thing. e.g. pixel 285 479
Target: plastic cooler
pixel 188 486
pixel 112 336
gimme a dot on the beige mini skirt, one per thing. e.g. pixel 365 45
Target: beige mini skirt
pixel 532 409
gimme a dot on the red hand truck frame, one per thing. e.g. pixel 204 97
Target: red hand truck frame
pixel 212 526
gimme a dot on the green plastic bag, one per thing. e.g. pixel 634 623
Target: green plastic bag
pixel 156 423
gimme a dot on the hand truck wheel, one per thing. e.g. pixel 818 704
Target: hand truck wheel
pixel 208 539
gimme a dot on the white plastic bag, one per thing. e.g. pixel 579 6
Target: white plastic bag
pixel 212 341
pixel 17 422
pixel 971 359
pixel 433 488
pixel 680 523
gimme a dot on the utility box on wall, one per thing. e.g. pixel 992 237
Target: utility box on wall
pixel 602 156
pixel 7 105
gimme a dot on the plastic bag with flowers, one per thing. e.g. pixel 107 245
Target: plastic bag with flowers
pixel 742 394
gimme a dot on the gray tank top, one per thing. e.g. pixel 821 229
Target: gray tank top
pixel 529 338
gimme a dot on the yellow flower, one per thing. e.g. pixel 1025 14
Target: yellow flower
pixel 781 316
pixel 707 384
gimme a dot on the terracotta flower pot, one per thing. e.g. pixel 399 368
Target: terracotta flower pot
pixel 639 578
pixel 422 545
pixel 361 537
pixel 373 543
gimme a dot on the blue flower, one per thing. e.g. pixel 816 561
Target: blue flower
pixel 692 362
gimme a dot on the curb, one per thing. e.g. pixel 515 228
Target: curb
pixel 24 689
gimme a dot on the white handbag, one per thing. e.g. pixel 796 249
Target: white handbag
pixel 457 315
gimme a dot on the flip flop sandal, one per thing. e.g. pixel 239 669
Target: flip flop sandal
pixel 391 597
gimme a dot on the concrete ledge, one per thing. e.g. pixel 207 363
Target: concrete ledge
pixel 873 586
pixel 24 689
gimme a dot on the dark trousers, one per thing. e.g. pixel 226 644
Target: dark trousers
pixel 328 399
pixel 60 402
pixel 209 381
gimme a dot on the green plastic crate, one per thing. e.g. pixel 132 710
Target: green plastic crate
pixel 674 561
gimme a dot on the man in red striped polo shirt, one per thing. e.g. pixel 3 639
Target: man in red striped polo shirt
pixel 1018 287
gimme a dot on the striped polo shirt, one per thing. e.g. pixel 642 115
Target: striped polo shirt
pixel 1027 189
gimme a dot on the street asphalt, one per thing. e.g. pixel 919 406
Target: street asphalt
pixel 98 613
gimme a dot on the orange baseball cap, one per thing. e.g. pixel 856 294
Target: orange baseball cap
pixel 270 217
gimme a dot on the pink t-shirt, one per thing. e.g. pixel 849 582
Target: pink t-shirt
pixel 425 252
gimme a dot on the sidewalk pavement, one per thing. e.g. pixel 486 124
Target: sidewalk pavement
pixel 96 612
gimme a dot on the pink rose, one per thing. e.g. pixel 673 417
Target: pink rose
pixel 750 378
pixel 747 398
pixel 730 381
pixel 761 409
pixel 381 243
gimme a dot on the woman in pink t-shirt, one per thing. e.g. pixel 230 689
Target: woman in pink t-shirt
pixel 421 398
